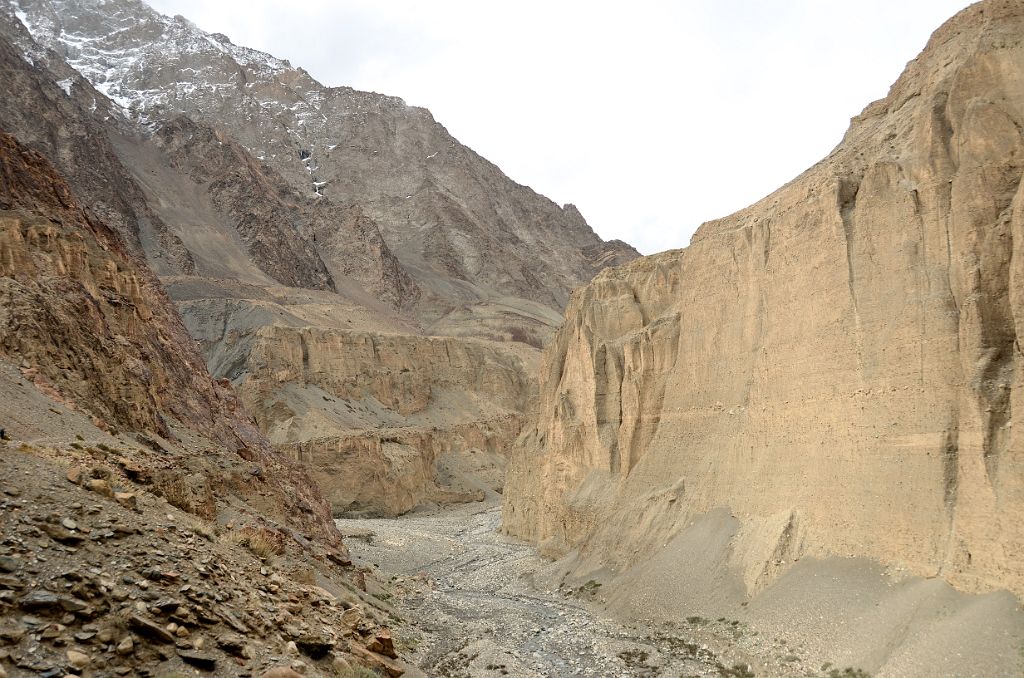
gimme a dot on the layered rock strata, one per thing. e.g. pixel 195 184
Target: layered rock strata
pixel 838 365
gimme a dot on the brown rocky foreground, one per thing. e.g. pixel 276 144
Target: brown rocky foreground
pixel 101 577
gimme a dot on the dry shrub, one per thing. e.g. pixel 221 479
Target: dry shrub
pixel 262 542
pixel 205 529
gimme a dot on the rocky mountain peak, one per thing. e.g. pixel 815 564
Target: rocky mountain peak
pixel 446 214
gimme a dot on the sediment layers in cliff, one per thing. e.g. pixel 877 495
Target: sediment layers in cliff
pixel 838 365
pixel 385 422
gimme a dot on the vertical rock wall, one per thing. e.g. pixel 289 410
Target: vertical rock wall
pixel 838 364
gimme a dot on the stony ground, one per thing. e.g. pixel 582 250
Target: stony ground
pixel 477 612
pixel 99 577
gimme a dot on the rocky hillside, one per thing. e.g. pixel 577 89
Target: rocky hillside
pixel 136 492
pixel 263 198
pixel 87 322
pixel 838 365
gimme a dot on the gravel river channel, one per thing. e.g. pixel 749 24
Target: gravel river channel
pixel 479 612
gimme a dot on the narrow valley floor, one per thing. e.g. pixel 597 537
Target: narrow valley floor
pixel 477 613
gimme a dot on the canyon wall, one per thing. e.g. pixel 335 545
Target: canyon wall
pixel 374 415
pixel 838 365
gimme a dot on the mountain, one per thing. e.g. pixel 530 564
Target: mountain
pixel 467 234
pixel 832 372
pixel 288 220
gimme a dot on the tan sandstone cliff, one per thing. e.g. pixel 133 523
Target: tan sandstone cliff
pixel 838 365
pixel 376 417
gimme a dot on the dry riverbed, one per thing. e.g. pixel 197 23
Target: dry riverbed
pixel 478 612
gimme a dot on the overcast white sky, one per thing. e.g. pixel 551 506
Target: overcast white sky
pixel 652 117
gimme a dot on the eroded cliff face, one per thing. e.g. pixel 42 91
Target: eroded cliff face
pixel 839 364
pixel 385 422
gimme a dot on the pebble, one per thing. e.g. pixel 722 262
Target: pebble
pixel 126 646
pixel 70 524
pixel 78 660
pixel 281 672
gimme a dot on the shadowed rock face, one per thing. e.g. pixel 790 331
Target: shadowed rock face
pixel 90 325
pixel 838 364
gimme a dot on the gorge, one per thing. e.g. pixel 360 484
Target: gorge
pixel 427 421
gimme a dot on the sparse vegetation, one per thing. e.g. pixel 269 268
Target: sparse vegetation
pixel 263 543
pixel 205 529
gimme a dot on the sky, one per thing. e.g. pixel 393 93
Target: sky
pixel 650 116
